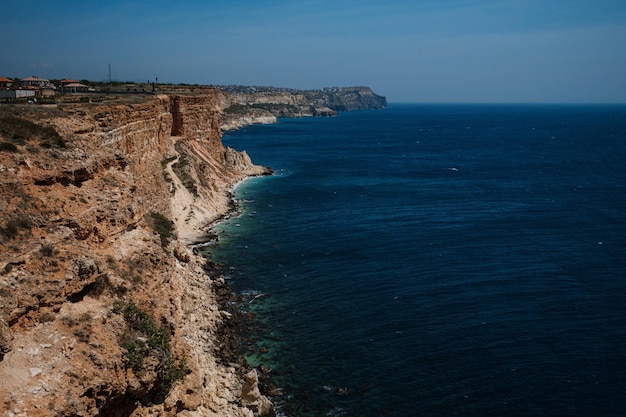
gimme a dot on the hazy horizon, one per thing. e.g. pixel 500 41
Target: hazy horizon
pixel 449 51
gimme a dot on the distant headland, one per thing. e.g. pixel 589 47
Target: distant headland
pixel 107 308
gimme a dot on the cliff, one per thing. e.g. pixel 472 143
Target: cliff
pixel 249 105
pixel 104 309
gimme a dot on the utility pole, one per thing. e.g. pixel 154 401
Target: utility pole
pixel 109 89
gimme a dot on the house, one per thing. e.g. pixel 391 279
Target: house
pixel 35 82
pixel 42 87
pixel 8 90
pixel 75 88
pixel 69 85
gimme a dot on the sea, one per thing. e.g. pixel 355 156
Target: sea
pixel 435 260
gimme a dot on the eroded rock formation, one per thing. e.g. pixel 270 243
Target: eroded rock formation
pixel 104 309
pixel 262 105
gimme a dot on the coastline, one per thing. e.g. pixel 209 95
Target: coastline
pixel 195 217
pixel 313 298
pixel 97 232
pixel 206 234
pixel 102 209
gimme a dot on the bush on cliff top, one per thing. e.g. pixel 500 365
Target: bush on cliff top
pixel 19 130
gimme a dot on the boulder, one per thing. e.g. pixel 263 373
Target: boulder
pixel 252 398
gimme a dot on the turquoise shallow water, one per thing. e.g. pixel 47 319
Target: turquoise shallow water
pixel 435 260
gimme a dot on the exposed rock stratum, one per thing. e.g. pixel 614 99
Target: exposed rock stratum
pixel 104 309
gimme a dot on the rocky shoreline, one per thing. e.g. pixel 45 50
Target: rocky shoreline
pixel 105 308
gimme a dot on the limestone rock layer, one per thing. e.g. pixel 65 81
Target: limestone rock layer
pixel 104 308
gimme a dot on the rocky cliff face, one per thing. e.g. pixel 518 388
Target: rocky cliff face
pixel 352 98
pixel 250 105
pixel 104 310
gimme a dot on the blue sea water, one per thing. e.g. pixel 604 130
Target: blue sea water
pixel 437 260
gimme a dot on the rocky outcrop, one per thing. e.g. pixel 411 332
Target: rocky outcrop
pixel 253 105
pixel 251 396
pixel 104 309
pixel 351 98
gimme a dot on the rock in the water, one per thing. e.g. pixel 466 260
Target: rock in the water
pixel 251 396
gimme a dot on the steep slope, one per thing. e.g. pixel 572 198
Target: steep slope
pixel 103 308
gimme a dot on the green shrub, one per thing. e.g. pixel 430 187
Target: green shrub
pixel 182 169
pixel 143 339
pixel 47 250
pixel 46 317
pixel 8 147
pixel 236 109
pixel 14 225
pixel 166 161
pixel 18 129
pixel 162 225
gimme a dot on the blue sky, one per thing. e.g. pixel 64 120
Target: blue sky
pixel 409 51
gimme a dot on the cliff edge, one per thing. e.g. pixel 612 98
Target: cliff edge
pixel 261 105
pixel 104 309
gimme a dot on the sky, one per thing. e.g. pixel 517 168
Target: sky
pixel 429 51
